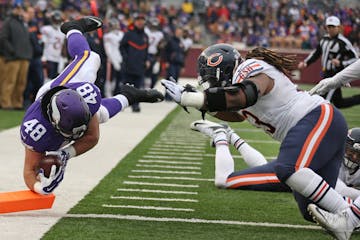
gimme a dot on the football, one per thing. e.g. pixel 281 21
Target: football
pixel 47 162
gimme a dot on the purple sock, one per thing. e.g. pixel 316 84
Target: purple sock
pixel 112 105
pixel 77 44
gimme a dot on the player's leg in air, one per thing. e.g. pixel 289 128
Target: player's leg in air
pixel 85 63
pixel 259 176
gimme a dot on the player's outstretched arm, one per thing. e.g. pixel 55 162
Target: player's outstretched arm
pixel 350 73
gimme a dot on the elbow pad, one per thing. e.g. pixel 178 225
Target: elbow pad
pixel 216 99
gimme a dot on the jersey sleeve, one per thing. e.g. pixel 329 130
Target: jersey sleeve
pixel 249 68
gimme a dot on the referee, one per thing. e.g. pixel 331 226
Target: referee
pixel 336 53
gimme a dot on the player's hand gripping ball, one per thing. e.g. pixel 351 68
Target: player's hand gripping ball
pixel 47 162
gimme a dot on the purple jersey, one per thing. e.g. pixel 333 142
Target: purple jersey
pixel 38 134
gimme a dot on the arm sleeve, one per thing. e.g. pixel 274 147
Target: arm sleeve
pixel 349 74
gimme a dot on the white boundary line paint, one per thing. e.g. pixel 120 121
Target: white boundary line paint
pixel 262 141
pixel 149 208
pixel 173 178
pixel 192 220
pixel 155 199
pixel 161 184
pixel 172 157
pixel 155 191
pixel 167 166
pixel 169 162
pixel 172 172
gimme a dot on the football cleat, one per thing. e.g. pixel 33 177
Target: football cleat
pixel 85 24
pixel 208 128
pixel 336 224
pixel 135 95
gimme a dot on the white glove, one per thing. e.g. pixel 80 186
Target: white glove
pixel 325 86
pixel 173 89
pixel 62 155
pixel 117 66
pixel 46 185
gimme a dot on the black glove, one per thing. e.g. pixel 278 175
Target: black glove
pixel 135 95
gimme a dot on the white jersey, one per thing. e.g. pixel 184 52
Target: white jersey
pixel 154 39
pixel 352 180
pixel 280 109
pixel 111 44
pixel 53 42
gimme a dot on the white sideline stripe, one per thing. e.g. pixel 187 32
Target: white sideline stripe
pixel 172 157
pixel 155 191
pixel 173 178
pixel 191 220
pixel 169 162
pixel 175 153
pixel 167 166
pixel 184 147
pixel 149 207
pixel 161 184
pixel 155 199
pixel 176 150
pixel 172 172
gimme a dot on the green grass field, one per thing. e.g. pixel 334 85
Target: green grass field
pixel 164 189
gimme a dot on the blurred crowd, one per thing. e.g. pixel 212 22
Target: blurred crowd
pixel 37 51
pixel 279 23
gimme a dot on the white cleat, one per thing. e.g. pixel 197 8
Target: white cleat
pixel 336 224
pixel 207 127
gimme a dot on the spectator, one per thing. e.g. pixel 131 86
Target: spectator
pixel 174 55
pixel 35 77
pixel 112 41
pixel 17 52
pixel 156 42
pixel 336 53
pixel 134 50
pixel 53 44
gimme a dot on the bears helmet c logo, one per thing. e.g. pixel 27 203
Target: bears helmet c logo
pixel 214 59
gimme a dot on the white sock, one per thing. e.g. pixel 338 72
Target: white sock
pixel 252 157
pixel 224 163
pixel 312 186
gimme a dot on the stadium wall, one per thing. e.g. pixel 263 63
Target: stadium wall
pixel 310 75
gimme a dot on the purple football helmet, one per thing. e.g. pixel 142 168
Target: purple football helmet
pixel 69 113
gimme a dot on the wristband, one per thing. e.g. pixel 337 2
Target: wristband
pixel 70 151
pixel 192 99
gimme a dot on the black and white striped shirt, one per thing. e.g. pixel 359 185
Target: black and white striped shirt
pixel 338 47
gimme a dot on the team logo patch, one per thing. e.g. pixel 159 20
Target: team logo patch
pixel 214 59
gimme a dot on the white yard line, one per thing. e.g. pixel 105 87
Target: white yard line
pixel 149 208
pixel 171 172
pixel 155 191
pixel 173 178
pixel 170 162
pixel 172 157
pixel 155 199
pixel 167 166
pixel 160 184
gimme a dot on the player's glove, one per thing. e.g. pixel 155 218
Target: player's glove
pixel 325 86
pixel 46 185
pixel 62 155
pixel 135 95
pixel 186 96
